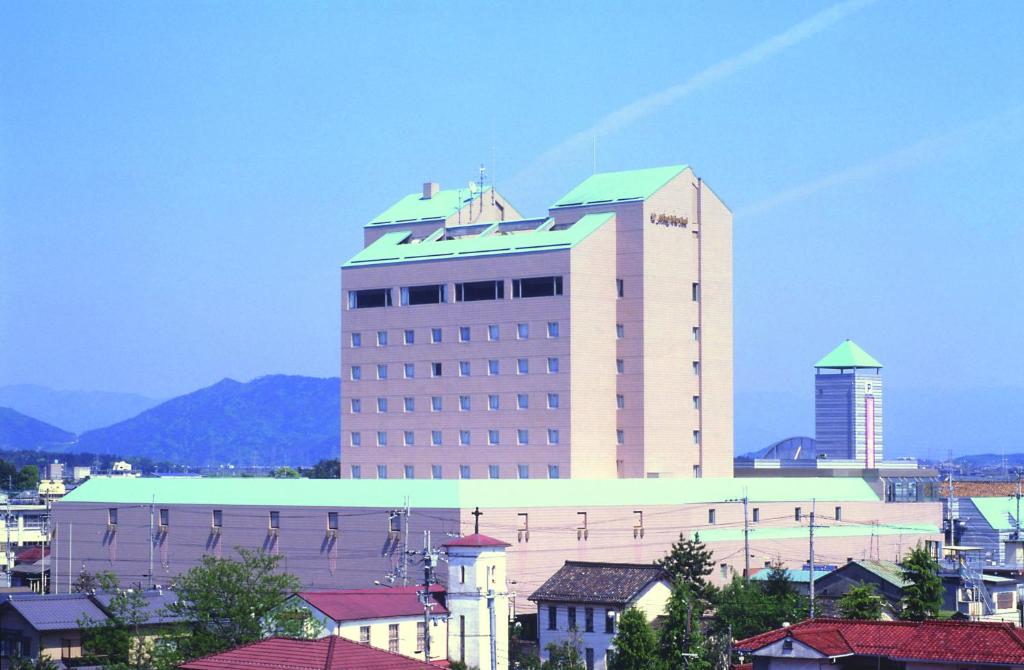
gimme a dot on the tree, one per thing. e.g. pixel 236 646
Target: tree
pixel 922 596
pixel 861 602
pixel 28 478
pixel 119 641
pixel 91 582
pixel 691 561
pixel 325 469
pixel 564 656
pixel 636 647
pixel 285 473
pixel 750 607
pixel 682 643
pixel 40 663
pixel 226 603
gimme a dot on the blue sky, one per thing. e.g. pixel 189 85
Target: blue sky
pixel 179 182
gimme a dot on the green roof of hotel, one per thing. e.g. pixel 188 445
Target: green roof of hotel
pixel 848 355
pixel 998 512
pixel 414 207
pixel 463 494
pixel 620 186
pixel 398 246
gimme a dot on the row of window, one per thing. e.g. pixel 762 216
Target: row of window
pixel 522 471
pixel 588 619
pixel 465 438
pixel 465 334
pixel 437 368
pixel 433 294
pixel 217 519
pixel 355 405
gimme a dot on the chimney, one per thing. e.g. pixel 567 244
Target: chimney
pixel 430 189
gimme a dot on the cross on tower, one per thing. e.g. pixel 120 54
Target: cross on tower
pixel 476 520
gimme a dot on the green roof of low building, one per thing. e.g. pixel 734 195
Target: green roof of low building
pixel 620 186
pixel 464 493
pixel 489 240
pixel 848 355
pixel 887 570
pixel 414 207
pixel 999 513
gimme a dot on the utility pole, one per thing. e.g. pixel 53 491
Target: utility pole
pixel 1016 519
pixel 811 578
pixel 152 503
pixel 429 561
pixel 746 538
pixel 7 546
pixel 405 543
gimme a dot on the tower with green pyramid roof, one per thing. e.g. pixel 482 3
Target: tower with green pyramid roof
pixel 848 406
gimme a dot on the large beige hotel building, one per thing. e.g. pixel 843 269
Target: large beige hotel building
pixel 594 342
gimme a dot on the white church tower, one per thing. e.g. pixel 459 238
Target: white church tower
pixel 478 602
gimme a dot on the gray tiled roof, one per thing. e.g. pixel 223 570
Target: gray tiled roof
pixel 156 605
pixel 608 583
pixel 55 612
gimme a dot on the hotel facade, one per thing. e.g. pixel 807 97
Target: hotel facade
pixel 594 342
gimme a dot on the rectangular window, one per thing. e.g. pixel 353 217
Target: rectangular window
pixel 435 471
pixel 382 438
pixel 523 366
pixel 711 515
pixel 364 635
pixel 552 472
pixel 421 636
pixel 369 297
pixel 409 369
pixel 493 472
pixel 332 521
pixel 620 366
pixel 620 330
pixel 218 519
pixel 382 338
pixel 492 437
pixel 355 439
pixel 435 403
pixel 275 520
pixel 409 438
pixel 523 331
pixel 522 401
pixel 588 619
pixel 493 402
pixel 609 621
pixel 356 405
pixel 695 291
pixel 410 472
pixel 523 470
pixel 464 334
pixel 382 371
pixel 463 403
pixel 355 373
pixel 797 514
pixel 435 438
pixel 435 369
pixel 571 617
pixel 756 514
pixel 382 472
pixel 393 637
pixel 696 367
pixel 696 437
pixel 492 367
pixel 697 472
pixel 536 287
pixel 464 471
pixel 435 335
pixel 696 402
pixel 394 522
pixel 620 401
pixel 463 368
pixel 382 405
pixel 552 401
pixel 522 436
pixel 409 404
pixel 464 438
pixel 588 658
pixel 357 340
pixel 409 337
pixel 723 570
pixel 165 517
pixel 620 436
pixel 696 334
pixel 839 514
pixel 552 617
pixel 427 294
pixel 472 291
pixel 552 329
pixel 620 288
pixel 552 436
pixel 492 333
pixel 357 472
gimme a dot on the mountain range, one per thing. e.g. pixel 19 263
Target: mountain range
pixel 76 411
pixel 18 431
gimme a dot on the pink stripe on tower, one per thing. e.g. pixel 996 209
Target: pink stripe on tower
pixel 869 430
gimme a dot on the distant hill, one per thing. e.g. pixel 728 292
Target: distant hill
pixel 272 420
pixel 77 411
pixel 18 431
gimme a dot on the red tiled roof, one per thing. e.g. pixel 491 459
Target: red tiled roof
pixel 30 555
pixel 936 641
pixel 328 653
pixel 379 603
pixel 476 540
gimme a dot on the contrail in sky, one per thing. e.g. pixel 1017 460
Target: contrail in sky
pixel 650 104
pixel 1009 125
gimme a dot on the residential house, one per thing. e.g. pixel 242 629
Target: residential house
pixel 385 618
pixel 885 576
pixel 838 644
pixel 327 653
pixel 801 579
pixel 582 602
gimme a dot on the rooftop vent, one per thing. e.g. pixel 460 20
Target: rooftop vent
pixel 430 189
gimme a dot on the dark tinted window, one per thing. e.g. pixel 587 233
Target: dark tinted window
pixel 536 287
pixel 479 290
pixel 370 297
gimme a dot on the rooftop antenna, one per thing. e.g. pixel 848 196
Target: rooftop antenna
pixel 494 169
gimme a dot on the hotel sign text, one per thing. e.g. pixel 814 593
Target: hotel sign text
pixel 670 220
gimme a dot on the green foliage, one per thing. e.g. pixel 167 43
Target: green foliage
pixel 285 472
pixel 119 641
pixel 226 603
pixel 564 656
pixel 91 582
pixel 325 469
pixel 861 602
pixel 751 607
pixel 922 597
pixel 636 647
pixel 681 635
pixel 40 663
pixel 691 561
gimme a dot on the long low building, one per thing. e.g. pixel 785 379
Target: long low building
pixel 352 533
